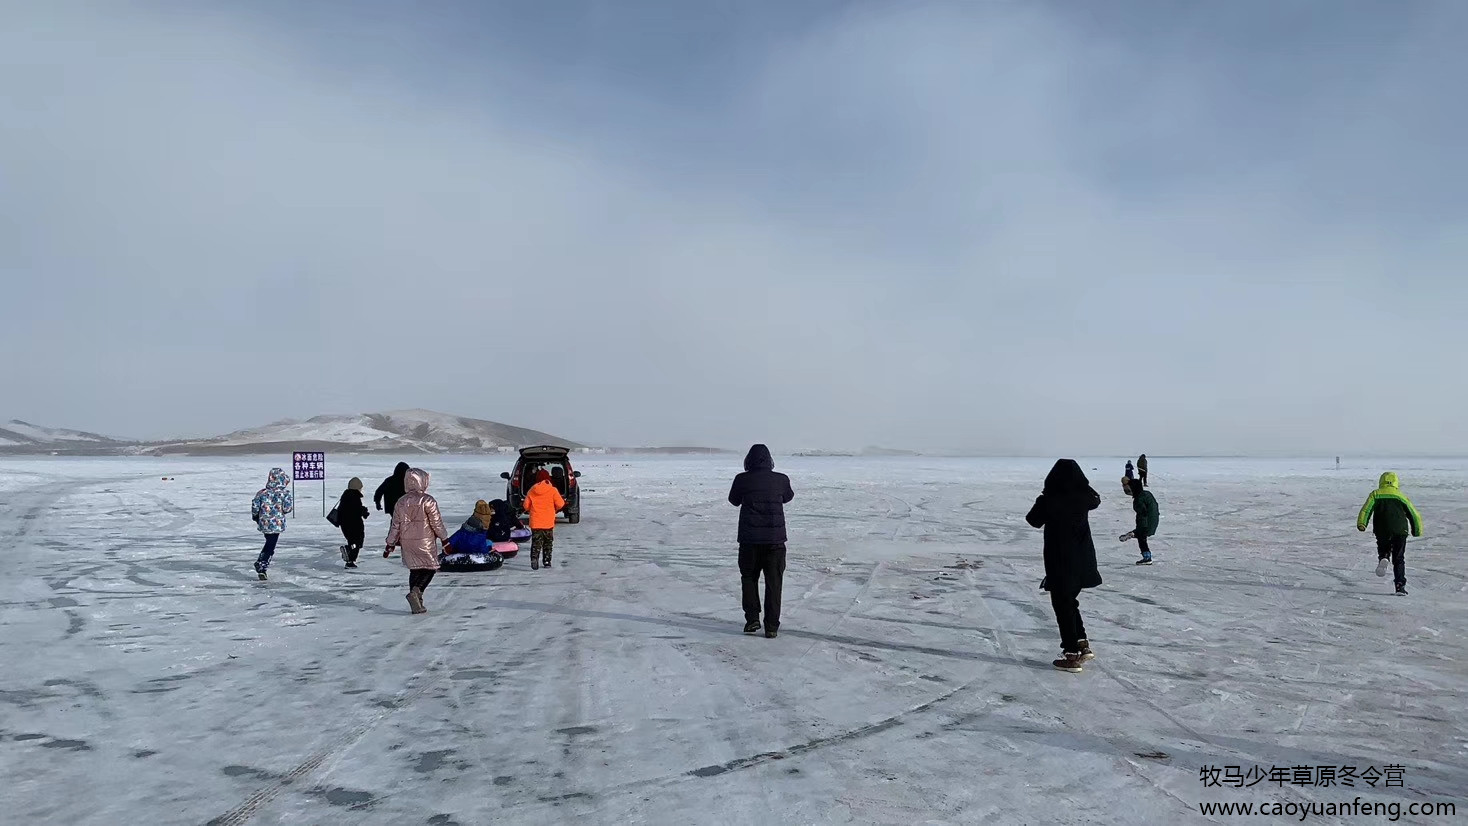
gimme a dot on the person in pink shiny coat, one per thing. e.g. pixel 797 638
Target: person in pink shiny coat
pixel 416 524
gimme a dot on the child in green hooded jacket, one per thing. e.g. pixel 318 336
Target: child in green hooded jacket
pixel 1392 516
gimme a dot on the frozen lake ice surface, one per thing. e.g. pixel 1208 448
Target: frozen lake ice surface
pixel 149 678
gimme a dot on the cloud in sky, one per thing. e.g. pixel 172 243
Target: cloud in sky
pixel 1010 227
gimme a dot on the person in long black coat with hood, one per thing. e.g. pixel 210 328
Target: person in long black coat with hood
pixel 350 512
pixel 1064 510
pixel 761 494
pixel 392 489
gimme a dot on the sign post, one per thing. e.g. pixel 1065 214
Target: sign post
pixel 308 467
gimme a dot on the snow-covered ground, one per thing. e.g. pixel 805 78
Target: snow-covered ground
pixel 149 678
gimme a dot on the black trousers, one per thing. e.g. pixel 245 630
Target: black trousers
pixel 1142 472
pixel 1142 544
pixel 768 560
pixel 420 577
pixel 1068 617
pixel 269 550
pixel 1395 549
pixel 355 533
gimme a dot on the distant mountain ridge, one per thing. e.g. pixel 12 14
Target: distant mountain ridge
pixel 396 431
pixel 16 433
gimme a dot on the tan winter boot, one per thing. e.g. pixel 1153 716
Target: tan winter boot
pixel 415 601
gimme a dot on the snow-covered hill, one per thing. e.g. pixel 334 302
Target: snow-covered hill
pixel 417 431
pixel 399 431
pixel 16 433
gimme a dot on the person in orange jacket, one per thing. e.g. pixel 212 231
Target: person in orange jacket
pixel 542 502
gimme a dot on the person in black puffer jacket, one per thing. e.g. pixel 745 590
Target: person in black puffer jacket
pixel 1064 511
pixel 761 494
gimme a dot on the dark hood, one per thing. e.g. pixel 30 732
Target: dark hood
pixel 1066 476
pixel 759 458
pixel 401 471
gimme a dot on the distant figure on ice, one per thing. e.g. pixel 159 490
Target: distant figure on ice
pixel 416 523
pixel 1130 474
pixel 392 488
pixel 542 503
pixel 1392 517
pixel 1063 509
pixel 268 510
pixel 351 512
pixel 1144 504
pixel 1142 469
pixel 761 495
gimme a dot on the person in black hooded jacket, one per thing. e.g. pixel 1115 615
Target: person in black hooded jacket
pixel 503 523
pixel 351 513
pixel 391 490
pixel 1064 510
pixel 760 494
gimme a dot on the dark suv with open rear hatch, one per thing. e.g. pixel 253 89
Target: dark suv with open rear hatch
pixel 551 458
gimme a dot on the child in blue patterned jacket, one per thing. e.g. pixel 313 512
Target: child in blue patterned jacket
pixel 268 510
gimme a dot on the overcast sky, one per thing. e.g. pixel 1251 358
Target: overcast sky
pixel 1029 227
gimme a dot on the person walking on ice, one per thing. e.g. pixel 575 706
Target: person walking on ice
pixel 392 489
pixel 761 495
pixel 1142 469
pixel 351 513
pixel 416 523
pixel 1145 506
pixel 1063 509
pixel 269 509
pixel 542 503
pixel 1392 516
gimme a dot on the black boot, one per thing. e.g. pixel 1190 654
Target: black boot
pixel 751 627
